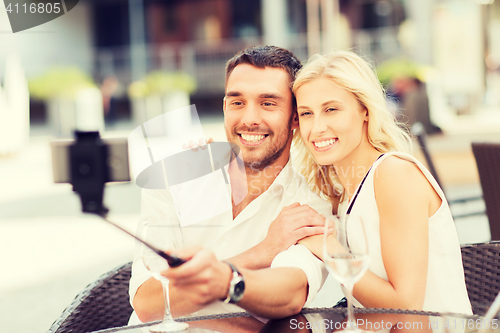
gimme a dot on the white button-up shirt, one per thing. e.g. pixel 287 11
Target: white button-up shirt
pixel 223 235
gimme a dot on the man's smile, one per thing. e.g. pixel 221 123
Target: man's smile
pixel 252 139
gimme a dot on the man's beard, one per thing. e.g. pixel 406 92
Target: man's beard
pixel 268 159
pixel 270 155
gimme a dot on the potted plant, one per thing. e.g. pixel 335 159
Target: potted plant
pixel 158 93
pixel 72 99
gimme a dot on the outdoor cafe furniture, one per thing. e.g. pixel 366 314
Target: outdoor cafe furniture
pixel 105 303
pixel 331 319
pixel 487 157
pixel 102 304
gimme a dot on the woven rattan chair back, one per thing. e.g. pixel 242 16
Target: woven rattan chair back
pixel 102 304
pixel 488 165
pixel 482 274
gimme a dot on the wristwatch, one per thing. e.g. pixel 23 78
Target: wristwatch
pixel 236 286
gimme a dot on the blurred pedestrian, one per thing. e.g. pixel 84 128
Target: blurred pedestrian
pixel 110 88
pixel 414 103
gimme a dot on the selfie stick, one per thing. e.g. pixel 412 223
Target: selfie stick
pixel 89 172
pixel 173 261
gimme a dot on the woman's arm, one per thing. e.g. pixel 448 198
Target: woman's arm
pixel 404 197
pixel 405 200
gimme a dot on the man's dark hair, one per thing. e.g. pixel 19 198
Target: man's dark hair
pixel 266 56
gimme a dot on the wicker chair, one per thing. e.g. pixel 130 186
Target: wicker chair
pixel 102 304
pixel 488 164
pixel 482 274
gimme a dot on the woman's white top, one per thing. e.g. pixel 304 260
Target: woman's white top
pixel 446 291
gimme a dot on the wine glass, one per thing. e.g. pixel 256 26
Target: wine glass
pixel 155 233
pixel 346 258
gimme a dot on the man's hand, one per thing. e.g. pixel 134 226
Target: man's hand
pixel 272 293
pixel 202 279
pixel 295 222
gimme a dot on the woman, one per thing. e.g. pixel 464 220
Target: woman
pixel 347 133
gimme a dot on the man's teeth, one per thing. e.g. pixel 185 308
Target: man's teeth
pixel 252 138
pixel 323 144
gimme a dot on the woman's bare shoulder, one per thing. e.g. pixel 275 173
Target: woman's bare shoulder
pixel 397 176
pixel 394 167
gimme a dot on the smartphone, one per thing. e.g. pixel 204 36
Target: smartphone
pixel 117 160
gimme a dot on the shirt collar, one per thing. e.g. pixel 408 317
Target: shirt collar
pixel 285 175
pixel 277 188
pixel 281 181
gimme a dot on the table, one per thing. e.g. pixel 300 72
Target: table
pixel 326 320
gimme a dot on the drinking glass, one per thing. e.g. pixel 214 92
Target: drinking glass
pixel 346 258
pixel 155 233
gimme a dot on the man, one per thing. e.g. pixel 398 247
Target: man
pixel 259 117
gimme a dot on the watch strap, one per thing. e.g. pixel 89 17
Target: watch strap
pixel 235 277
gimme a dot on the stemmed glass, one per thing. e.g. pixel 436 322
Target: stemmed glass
pixel 155 233
pixel 346 258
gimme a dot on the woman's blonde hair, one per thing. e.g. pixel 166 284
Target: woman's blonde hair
pixel 354 74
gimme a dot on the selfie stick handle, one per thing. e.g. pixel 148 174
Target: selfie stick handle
pixel 89 170
pixel 89 173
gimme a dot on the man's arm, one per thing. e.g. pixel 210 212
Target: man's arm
pixel 271 293
pixel 274 292
pixel 146 293
pixel 295 222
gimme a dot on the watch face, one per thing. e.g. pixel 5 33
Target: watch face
pixel 239 288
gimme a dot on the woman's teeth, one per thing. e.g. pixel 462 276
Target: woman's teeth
pixel 252 138
pixel 323 144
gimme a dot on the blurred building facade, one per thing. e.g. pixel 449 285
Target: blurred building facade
pixel 198 36
pixel 128 39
